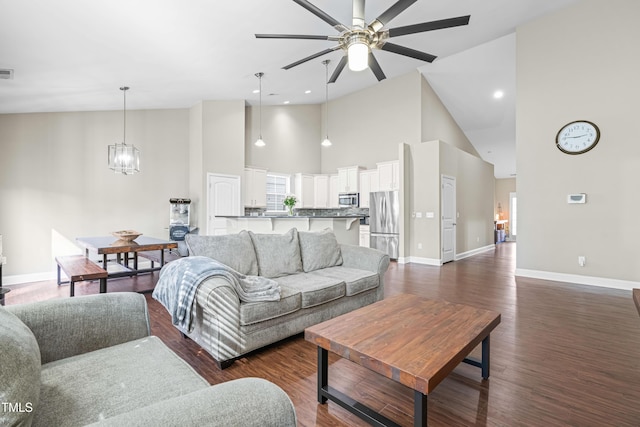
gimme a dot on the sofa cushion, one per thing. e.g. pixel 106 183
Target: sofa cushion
pixel 234 250
pixel 255 312
pixel 278 254
pixel 19 371
pixel 100 384
pixel 356 280
pixel 314 289
pixel 319 250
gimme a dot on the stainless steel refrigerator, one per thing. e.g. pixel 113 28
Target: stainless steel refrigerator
pixel 384 215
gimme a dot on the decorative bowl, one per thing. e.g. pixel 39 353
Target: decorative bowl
pixel 127 235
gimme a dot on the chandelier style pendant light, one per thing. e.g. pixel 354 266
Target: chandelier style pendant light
pixel 260 142
pixel 326 142
pixel 123 158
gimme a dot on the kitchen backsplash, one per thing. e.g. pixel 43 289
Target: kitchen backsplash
pixel 314 212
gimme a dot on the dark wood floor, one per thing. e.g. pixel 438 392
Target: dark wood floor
pixel 563 354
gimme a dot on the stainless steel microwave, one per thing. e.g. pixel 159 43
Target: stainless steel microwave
pixel 349 200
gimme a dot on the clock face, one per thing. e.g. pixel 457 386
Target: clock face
pixel 577 137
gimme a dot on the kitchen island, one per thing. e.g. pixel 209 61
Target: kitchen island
pixel 346 228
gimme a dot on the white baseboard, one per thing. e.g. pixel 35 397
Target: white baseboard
pixel 421 260
pixel 604 282
pixel 28 278
pixel 473 252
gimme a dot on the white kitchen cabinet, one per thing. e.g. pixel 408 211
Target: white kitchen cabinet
pixel 389 176
pixel 333 191
pixel 254 187
pixel 321 191
pixel 304 190
pixel 364 236
pixel 348 179
pixel 368 184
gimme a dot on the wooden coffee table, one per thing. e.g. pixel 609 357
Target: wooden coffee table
pixel 414 341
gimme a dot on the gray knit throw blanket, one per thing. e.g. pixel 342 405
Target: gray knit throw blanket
pixel 179 280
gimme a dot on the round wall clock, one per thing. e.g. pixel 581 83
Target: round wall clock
pixel 577 137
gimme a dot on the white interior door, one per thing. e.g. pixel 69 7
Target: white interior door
pixel 449 215
pixel 223 198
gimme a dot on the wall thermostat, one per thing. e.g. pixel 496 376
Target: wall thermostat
pixel 577 198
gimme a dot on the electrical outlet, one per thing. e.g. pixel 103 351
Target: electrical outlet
pixel 3 260
pixel 582 261
pixel 419 245
pixel 418 214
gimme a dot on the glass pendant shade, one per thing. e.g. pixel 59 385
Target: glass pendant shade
pixel 358 54
pixel 123 158
pixel 260 142
pixel 326 142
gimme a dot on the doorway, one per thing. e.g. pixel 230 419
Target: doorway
pixel 223 199
pixel 448 208
pixel 513 216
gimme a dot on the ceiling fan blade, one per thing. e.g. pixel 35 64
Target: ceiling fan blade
pixel 291 36
pixel 395 10
pixel 412 53
pixel 429 26
pixel 338 70
pixel 322 15
pixel 375 67
pixel 309 58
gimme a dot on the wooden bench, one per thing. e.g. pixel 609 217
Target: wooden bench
pixel 80 268
pixel 154 256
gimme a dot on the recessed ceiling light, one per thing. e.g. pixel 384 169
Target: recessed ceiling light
pixel 498 94
pixel 286 102
pixel 307 91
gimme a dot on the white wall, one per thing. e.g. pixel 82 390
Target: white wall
pixel 366 127
pixel 579 63
pixel 55 184
pixel 292 134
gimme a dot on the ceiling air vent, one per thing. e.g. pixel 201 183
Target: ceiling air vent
pixel 6 74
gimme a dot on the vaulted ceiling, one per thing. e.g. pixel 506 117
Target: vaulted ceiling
pixel 73 55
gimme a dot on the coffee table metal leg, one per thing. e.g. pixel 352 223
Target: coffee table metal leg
pixel 323 373
pixel 419 409
pixel 484 363
pixel 485 358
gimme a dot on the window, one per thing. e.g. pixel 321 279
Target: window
pixel 278 186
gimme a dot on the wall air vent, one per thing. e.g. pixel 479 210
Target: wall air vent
pixel 6 74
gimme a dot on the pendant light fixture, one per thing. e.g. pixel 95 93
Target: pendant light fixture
pixel 123 158
pixel 260 142
pixel 326 142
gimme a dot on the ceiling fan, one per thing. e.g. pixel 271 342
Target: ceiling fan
pixel 359 40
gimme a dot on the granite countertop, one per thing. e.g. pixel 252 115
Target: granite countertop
pixel 291 217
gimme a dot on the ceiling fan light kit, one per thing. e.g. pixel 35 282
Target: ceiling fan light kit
pixel 358 53
pixel 359 41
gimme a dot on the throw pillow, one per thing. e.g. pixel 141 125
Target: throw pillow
pixel 278 254
pixel 234 250
pixel 20 372
pixel 319 250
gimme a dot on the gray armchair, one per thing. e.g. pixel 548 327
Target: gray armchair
pixel 91 359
